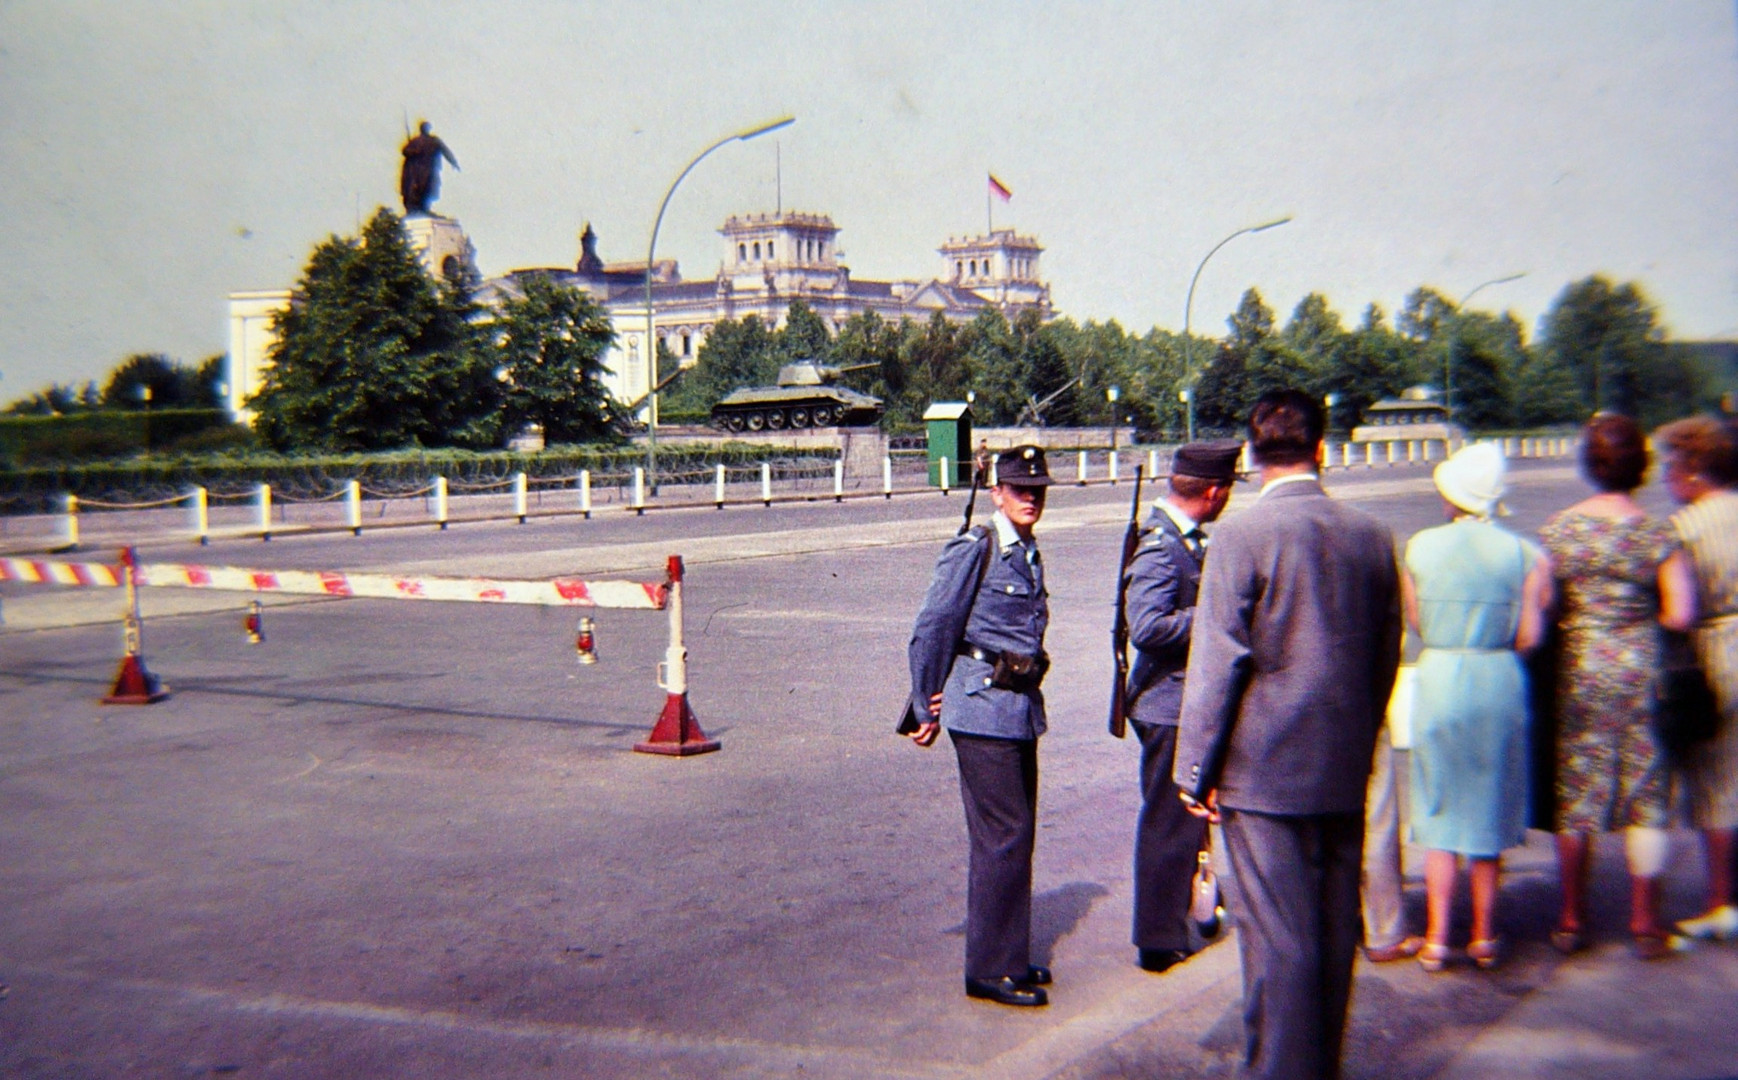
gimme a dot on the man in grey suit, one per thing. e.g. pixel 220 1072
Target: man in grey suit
pixel 977 659
pixel 1296 642
pixel 1160 605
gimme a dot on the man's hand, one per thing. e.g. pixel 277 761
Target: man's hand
pixel 1208 810
pixel 926 733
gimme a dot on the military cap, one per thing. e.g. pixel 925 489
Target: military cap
pixel 1215 461
pixel 1022 466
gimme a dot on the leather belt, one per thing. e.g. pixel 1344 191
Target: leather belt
pixel 976 652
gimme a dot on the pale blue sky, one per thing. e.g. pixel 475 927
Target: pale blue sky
pixel 158 156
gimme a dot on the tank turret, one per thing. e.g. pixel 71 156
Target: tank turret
pixel 806 395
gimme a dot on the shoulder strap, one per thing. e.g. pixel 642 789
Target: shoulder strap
pixel 986 551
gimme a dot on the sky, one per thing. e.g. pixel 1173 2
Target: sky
pixel 155 157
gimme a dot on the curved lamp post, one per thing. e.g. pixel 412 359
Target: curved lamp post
pixel 1189 305
pixel 651 249
pixel 1454 342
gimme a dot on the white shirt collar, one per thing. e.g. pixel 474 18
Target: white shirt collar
pixel 1185 523
pixel 1006 537
pixel 1295 478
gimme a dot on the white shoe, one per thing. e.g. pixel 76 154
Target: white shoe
pixel 1721 923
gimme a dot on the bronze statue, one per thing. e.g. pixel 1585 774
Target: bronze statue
pixel 419 183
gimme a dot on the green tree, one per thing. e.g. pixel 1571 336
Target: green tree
pixel 550 344
pixel 867 338
pixel 1231 383
pixel 804 336
pixel 1484 353
pixel 170 384
pixel 372 354
pixel 1374 365
pixel 1609 337
pixel 737 353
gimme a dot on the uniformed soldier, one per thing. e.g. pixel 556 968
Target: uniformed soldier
pixel 1160 608
pixel 977 658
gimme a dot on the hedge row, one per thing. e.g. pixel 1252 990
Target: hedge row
pixel 101 433
pixel 39 489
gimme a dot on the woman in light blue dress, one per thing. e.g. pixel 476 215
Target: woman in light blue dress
pixel 1475 595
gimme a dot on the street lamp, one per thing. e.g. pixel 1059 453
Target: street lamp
pixel 651 249
pixel 1454 342
pixel 1189 304
pixel 144 393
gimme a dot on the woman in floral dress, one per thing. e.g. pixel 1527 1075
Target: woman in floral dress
pixel 1620 578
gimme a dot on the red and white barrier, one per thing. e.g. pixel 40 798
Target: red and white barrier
pixel 557 592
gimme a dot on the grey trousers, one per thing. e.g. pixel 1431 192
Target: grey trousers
pixel 1167 839
pixel 999 787
pixel 1295 899
pixel 1384 920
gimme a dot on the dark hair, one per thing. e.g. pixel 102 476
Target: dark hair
pixel 1194 487
pixel 1285 428
pixel 1703 446
pixel 1614 453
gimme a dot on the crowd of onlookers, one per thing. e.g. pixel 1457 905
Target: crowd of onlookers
pixel 1587 684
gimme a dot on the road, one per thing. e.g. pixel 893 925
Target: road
pixel 402 839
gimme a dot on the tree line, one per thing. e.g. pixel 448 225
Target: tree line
pixel 143 380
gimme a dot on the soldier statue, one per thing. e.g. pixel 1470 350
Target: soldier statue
pixel 419 182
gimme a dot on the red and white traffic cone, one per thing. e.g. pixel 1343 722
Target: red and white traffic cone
pixel 677 731
pixel 134 685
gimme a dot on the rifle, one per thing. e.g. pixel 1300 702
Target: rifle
pixel 1131 541
pixel 908 720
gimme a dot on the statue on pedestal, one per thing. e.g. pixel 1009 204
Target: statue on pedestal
pixel 419 182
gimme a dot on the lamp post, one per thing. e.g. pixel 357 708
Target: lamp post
pixel 1189 305
pixel 1454 342
pixel 1111 393
pixel 145 399
pixel 651 250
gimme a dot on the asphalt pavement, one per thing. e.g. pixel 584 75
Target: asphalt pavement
pixel 410 839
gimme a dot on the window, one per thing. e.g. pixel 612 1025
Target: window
pixel 757 250
pixel 769 253
pixel 959 269
pixel 687 345
pixel 974 268
pixel 742 253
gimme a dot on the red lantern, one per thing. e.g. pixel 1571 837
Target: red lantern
pixel 586 644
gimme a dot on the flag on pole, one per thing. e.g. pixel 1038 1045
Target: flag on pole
pixel 999 189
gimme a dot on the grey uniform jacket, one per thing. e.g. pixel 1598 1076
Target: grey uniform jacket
pixel 1010 613
pixel 1162 580
pixel 1295 645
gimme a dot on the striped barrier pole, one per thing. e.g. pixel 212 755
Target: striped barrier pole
pixel 201 515
pixel 264 498
pixel 441 502
pixel 585 493
pixel 519 500
pixel 353 506
pixel 718 485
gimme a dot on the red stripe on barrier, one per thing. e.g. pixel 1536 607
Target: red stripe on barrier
pixel 492 594
pixel 264 580
pixel 571 589
pixel 198 575
pixel 656 591
pixel 334 584
pixel 407 587
pixel 81 573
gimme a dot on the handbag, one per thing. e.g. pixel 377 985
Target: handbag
pixel 1685 713
pixel 1205 907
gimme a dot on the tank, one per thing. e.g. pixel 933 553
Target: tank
pixel 806 397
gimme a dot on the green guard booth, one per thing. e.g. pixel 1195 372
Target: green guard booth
pixel 949 424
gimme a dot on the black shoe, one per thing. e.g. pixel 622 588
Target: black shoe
pixel 1005 991
pixel 1037 976
pixel 1162 960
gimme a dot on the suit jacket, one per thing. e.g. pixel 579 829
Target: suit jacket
pixel 1296 641
pixel 1162 580
pixel 1009 613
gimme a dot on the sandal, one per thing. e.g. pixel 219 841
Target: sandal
pixel 1433 957
pixel 1485 954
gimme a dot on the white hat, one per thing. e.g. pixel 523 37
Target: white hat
pixel 1472 479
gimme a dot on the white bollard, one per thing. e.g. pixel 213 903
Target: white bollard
pixel 942 472
pixel 1346 452
pixel 1112 468
pixel 992 472
pixel 886 476
pixel 718 485
pixel 585 493
pixel 71 538
pixel 1369 455
pixel 766 483
pixel 441 502
pixel 1152 463
pixel 1411 451
pixel 353 507
pixel 839 480
pixel 265 511
pixel 1426 446
pixel 201 516
pixel 1391 456
pixel 639 503
pixel 1080 468
pixel 519 487
pixel 1243 463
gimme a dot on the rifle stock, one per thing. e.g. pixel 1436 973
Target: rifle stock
pixel 1131 540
